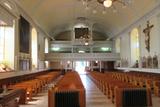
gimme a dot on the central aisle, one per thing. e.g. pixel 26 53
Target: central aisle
pixel 94 97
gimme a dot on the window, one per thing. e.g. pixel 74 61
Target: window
pixel 34 48
pixel 7 45
pixel 46 51
pixel 134 46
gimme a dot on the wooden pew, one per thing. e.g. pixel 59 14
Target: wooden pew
pixel 111 83
pixel 133 97
pixel 8 98
pixel 34 86
pixel 156 85
pixel 143 80
pixel 70 83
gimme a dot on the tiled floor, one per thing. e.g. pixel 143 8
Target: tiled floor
pixel 94 97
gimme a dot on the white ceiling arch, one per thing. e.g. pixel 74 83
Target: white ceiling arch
pixel 50 14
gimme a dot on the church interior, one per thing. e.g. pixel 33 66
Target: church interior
pixel 79 53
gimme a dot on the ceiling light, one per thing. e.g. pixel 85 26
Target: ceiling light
pixel 7 5
pixel 85 40
pixel 56 49
pixel 68 62
pixel 105 48
pixel 92 4
pixel 107 3
pixel 86 43
pixel 80 51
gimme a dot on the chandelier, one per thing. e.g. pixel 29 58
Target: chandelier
pixel 104 4
pixel 85 40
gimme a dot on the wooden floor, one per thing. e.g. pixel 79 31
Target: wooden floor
pixel 94 97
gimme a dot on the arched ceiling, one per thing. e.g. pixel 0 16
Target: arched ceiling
pixel 56 15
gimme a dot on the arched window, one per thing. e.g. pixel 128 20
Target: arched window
pixel 34 49
pixel 46 51
pixel 46 46
pixel 134 46
pixel 7 44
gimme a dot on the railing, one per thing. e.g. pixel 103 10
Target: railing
pixel 149 70
pixel 82 56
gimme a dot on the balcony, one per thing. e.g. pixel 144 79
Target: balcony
pixel 82 56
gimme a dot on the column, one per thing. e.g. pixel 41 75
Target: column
pixel 100 62
pixel 91 65
pixel 16 61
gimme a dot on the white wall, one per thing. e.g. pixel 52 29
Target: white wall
pixel 154 38
pixel 125 46
pixel 15 14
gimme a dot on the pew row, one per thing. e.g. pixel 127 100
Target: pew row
pixel 69 91
pixel 144 80
pixel 113 88
pixel 34 86
pixel 8 98
pixel 135 97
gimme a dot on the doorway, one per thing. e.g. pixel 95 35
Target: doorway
pixel 80 66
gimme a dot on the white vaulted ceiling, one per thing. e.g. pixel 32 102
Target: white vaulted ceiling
pixel 57 15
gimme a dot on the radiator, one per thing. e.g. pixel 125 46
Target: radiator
pixel 67 99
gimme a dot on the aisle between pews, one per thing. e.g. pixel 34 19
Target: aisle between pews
pixel 94 97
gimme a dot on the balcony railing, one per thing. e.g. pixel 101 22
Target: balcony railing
pixel 82 56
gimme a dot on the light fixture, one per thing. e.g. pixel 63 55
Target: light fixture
pixel 86 43
pixel 81 51
pixel 85 40
pixel 105 49
pixel 107 3
pixel 55 48
pixel 68 62
pixel 96 5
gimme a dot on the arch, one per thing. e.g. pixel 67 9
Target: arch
pixel 134 35
pixel 34 49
